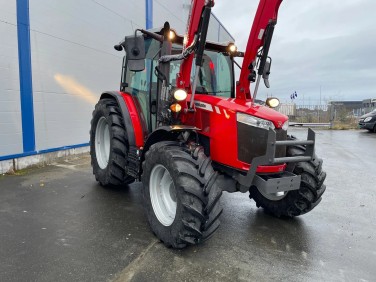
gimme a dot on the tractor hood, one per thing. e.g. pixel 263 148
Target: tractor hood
pixel 234 105
pixel 265 112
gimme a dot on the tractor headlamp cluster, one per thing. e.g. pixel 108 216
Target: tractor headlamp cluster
pixel 272 102
pixel 254 121
pixel 285 126
pixel 180 94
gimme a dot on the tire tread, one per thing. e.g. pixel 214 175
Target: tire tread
pixel 299 201
pixel 115 173
pixel 199 193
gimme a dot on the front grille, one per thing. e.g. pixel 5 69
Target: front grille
pixel 252 142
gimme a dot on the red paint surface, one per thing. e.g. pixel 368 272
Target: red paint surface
pixel 135 118
pixel 222 128
pixel 267 10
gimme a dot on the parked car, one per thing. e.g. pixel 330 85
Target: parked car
pixel 368 121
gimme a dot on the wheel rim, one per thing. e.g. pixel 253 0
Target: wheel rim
pixel 102 143
pixel 163 195
pixel 273 196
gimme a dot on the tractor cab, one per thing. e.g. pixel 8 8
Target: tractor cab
pixel 215 77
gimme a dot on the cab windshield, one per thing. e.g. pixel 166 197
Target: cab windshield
pixel 215 76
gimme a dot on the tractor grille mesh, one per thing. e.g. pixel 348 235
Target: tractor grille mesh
pixel 252 142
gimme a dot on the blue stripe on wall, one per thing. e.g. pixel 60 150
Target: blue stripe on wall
pixel 26 87
pixel 149 13
pixel 26 154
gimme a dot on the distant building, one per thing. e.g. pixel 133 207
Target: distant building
pixel 288 109
pixel 350 105
pixel 369 103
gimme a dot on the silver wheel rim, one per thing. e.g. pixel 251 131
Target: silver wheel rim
pixel 162 195
pixel 102 143
pixel 273 196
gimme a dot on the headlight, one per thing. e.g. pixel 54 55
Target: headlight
pixel 254 121
pixel 232 48
pixel 367 119
pixel 171 35
pixel 180 94
pixel 272 102
pixel 285 126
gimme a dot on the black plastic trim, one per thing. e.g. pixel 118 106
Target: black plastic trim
pixel 270 159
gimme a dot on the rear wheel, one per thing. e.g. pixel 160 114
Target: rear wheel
pixel 108 144
pixel 180 194
pixel 296 202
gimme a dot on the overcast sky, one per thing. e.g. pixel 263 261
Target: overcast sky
pixel 317 42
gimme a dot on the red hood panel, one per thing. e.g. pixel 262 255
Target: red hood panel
pixel 239 105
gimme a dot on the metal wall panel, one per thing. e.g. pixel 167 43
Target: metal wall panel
pixel 10 107
pixel 73 61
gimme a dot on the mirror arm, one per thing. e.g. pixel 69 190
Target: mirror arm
pixel 151 34
pixel 265 49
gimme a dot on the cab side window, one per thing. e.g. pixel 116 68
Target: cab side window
pixel 140 82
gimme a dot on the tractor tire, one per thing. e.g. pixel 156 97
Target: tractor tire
pixel 180 194
pixel 109 144
pixel 296 202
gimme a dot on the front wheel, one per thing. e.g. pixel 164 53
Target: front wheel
pixel 180 194
pixel 296 202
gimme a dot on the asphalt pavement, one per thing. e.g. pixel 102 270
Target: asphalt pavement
pixel 58 224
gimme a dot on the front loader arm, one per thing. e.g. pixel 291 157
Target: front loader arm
pixel 192 35
pixel 266 14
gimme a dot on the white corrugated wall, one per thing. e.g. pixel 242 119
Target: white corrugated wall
pixel 10 106
pixel 72 60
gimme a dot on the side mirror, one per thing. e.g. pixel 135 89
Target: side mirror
pixel 266 72
pixel 135 49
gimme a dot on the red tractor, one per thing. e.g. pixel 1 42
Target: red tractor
pixel 183 126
